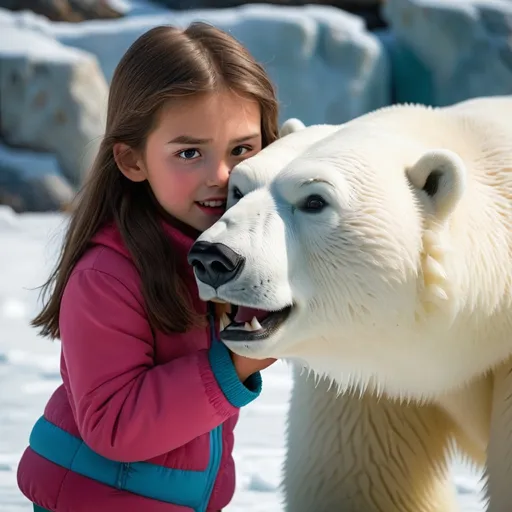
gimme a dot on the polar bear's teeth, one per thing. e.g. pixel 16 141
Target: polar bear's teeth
pixel 224 321
pixel 255 324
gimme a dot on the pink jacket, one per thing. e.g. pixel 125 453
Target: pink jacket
pixel 131 395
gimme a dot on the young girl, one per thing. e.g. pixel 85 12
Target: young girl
pixel 145 416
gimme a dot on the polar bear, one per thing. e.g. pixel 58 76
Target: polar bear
pixel 378 255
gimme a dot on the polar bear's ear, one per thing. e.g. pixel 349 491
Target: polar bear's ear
pixel 291 125
pixel 441 174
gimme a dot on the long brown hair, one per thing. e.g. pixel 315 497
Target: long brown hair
pixel 164 63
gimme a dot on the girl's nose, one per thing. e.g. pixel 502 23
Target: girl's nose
pixel 219 175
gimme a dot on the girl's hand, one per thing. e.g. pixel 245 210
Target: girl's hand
pixel 222 307
pixel 245 366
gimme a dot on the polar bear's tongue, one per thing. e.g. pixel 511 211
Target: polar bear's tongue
pixel 247 314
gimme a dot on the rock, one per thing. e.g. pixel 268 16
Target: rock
pixel 52 98
pixel 411 80
pixel 326 66
pixel 32 182
pixel 94 9
pixel 449 51
pixel 369 10
pixel 65 10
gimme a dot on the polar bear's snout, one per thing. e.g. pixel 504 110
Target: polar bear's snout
pixel 228 268
pixel 215 263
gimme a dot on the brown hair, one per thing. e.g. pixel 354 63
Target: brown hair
pixel 164 63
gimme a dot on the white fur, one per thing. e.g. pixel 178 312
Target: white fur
pixel 291 125
pixel 402 293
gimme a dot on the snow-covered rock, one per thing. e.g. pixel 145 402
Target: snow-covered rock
pixel 445 51
pixel 32 181
pixel 52 97
pixel 65 10
pixel 326 66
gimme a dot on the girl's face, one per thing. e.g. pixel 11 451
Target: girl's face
pixel 189 155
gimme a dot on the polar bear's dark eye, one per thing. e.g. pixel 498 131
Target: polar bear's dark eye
pixel 313 204
pixel 237 194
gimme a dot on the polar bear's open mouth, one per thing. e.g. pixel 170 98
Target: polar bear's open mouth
pixel 249 324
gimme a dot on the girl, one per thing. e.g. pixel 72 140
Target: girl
pixel 145 416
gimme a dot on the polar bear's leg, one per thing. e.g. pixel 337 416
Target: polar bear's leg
pixel 351 454
pixel 499 452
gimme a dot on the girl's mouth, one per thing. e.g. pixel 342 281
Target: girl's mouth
pixel 212 207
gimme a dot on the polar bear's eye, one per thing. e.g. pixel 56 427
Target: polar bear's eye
pixel 236 193
pixel 313 204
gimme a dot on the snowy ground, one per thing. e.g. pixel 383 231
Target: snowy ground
pixel 29 372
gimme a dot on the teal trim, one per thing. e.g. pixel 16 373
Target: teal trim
pixel 37 508
pixel 237 393
pixel 213 465
pixel 186 488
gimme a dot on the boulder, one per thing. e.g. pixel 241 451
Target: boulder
pixel 65 10
pixel 32 182
pixel 52 98
pixel 327 67
pixel 445 52
pixel 369 10
pixel 411 79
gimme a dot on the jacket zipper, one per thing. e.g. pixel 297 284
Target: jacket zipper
pixel 214 466
pixel 216 433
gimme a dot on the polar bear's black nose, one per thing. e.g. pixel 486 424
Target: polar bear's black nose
pixel 215 264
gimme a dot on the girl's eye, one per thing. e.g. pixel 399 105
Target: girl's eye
pixel 189 154
pixel 240 150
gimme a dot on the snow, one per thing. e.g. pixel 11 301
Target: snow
pixel 29 372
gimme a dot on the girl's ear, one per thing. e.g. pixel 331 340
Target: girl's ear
pixel 128 161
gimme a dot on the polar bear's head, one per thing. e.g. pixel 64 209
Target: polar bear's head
pixel 332 246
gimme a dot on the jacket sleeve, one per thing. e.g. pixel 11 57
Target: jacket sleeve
pixel 126 407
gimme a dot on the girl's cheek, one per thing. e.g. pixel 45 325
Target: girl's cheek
pixel 184 184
